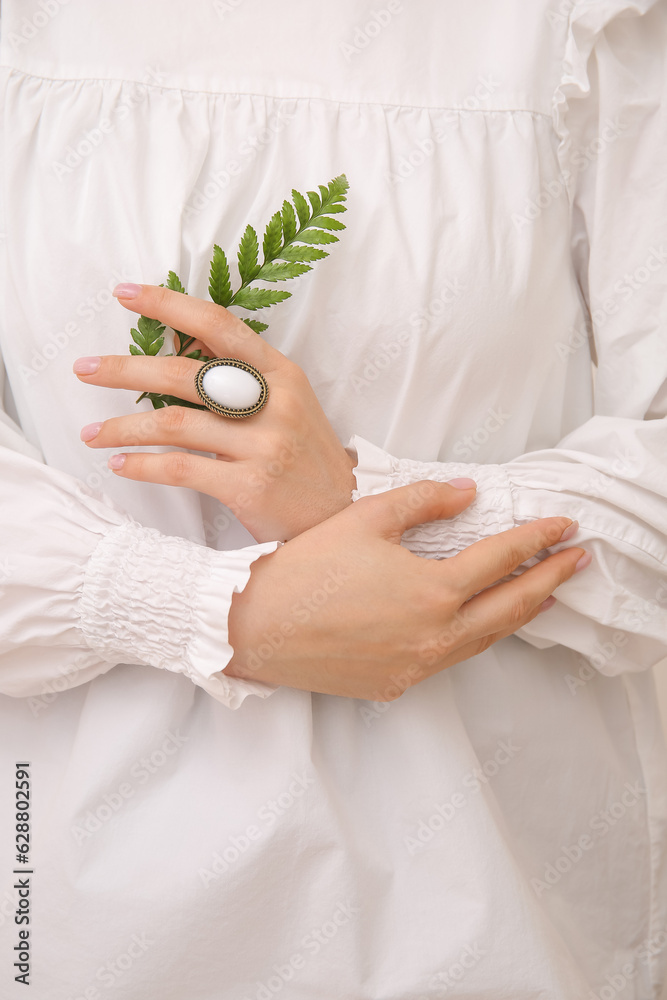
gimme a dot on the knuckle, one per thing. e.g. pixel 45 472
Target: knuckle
pixel 445 599
pixel 512 555
pixel 444 643
pixel 160 296
pixel 135 433
pixel 564 573
pixel 179 376
pixel 114 366
pixel 391 693
pixel 552 531
pixel 178 467
pixel 173 418
pixel 457 582
pixel 270 445
pixel 428 489
pixel 236 335
pixel 434 592
pixel 219 323
pixel 421 493
pixel 214 317
pixel 483 643
pixel 294 372
pixel 447 638
pixel 289 410
pixel 519 607
pixel 510 561
pixel 185 370
pixel 533 613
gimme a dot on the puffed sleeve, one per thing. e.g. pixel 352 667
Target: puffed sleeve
pixel 83 586
pixel 611 472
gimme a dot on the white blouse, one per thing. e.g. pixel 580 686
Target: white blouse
pixel 499 830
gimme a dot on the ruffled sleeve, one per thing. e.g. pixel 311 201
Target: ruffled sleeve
pixel 586 50
pixel 611 472
pixel 85 587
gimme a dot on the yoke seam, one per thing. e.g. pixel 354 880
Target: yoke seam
pixel 275 97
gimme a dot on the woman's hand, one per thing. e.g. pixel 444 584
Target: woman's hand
pixel 280 471
pixel 344 609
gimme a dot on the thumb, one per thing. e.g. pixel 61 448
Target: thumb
pixel 395 511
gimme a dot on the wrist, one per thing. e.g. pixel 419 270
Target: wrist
pixel 348 479
pixel 245 624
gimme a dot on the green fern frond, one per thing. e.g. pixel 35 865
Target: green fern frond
pixel 149 337
pixel 292 242
pixel 273 236
pixel 220 286
pixel 247 255
pixel 174 282
pixel 299 253
pixel 289 221
pixel 259 298
pixel 255 325
pixel 302 210
pixel 274 271
pixel 315 201
pixel 324 223
pixel 317 236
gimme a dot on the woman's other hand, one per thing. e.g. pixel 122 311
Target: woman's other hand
pixel 344 609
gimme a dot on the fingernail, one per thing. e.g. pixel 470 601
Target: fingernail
pixel 127 291
pixel 545 605
pixel 90 431
pixel 585 561
pixel 570 531
pixel 462 484
pixel 86 366
pixel 116 461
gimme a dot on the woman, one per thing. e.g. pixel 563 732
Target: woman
pixel 369 824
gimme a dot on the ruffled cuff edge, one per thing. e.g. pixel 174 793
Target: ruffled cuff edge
pixel 210 651
pixel 373 469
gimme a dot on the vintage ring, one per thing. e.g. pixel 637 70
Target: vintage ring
pixel 231 387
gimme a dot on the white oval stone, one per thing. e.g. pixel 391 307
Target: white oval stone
pixel 230 386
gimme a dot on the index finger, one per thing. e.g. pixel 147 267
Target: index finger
pixel 224 333
pixel 485 562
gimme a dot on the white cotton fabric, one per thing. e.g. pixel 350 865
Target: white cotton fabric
pixel 87 582
pixel 499 830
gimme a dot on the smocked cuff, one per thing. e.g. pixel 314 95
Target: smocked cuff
pixel 164 601
pixel 490 512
